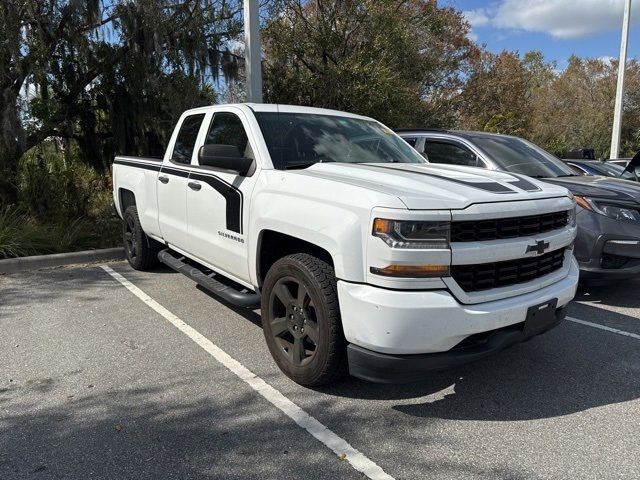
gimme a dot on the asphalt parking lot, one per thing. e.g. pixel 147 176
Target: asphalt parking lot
pixel 97 380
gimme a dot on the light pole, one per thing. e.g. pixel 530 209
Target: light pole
pixel 622 62
pixel 252 51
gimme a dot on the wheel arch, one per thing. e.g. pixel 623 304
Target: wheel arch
pixel 126 199
pixel 273 245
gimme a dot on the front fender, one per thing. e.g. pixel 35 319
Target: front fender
pixel 336 229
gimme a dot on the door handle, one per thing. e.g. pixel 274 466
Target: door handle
pixel 163 179
pixel 194 186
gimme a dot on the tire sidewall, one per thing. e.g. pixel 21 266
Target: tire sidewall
pixel 288 267
pixel 132 212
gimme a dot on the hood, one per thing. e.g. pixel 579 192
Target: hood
pixel 601 187
pixel 433 187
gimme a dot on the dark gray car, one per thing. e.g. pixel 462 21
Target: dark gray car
pixel 608 241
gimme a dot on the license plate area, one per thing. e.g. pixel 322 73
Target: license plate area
pixel 540 316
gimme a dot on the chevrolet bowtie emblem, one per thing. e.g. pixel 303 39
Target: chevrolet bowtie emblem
pixel 539 247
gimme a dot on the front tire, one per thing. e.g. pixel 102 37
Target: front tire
pixel 140 250
pixel 301 320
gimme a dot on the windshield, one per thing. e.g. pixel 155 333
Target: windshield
pixel 516 155
pixel 299 140
pixel 611 170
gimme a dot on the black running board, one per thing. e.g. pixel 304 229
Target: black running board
pixel 232 295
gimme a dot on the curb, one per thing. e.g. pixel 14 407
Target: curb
pixel 36 262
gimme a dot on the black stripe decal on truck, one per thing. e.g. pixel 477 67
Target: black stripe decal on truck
pixel 233 197
pixel 493 187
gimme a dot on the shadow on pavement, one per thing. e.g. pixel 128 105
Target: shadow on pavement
pixel 620 293
pixel 559 373
pixel 153 433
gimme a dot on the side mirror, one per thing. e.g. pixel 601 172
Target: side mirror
pixel 225 157
pixel 633 163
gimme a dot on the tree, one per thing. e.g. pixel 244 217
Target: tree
pixel 89 71
pixel 497 94
pixel 398 61
pixel 575 110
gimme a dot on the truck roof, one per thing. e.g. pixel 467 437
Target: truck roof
pixel 273 107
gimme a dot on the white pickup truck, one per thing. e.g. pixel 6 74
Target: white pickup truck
pixel 362 257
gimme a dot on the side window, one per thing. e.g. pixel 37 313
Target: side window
pixel 186 140
pixel 444 152
pixel 411 141
pixel 227 129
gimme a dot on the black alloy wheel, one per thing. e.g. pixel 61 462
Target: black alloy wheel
pixel 294 324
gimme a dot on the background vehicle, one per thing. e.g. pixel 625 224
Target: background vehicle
pixel 608 241
pixel 600 167
pixel 358 253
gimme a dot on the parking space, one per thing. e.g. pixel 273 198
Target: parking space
pixel 96 383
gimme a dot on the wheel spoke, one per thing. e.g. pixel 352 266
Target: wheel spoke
pixel 302 295
pixel 297 353
pixel 283 294
pixel 279 326
pixel 311 330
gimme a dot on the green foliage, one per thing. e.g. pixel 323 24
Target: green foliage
pixel 64 205
pixel 559 110
pixel 20 236
pixel 395 61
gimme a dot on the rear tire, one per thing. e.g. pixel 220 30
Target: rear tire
pixel 140 250
pixel 301 320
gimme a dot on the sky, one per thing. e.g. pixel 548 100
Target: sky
pixel 559 28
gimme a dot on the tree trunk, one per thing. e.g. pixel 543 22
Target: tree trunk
pixel 12 144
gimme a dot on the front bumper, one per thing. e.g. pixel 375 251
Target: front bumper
pixel 386 368
pixel 396 335
pixel 607 248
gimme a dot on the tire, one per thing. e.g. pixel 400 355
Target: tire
pixel 300 292
pixel 140 250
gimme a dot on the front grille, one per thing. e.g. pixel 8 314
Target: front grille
pixel 485 276
pixel 513 227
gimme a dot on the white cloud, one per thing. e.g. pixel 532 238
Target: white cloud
pixel 477 18
pixel 607 59
pixel 561 18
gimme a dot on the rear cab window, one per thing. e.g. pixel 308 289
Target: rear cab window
pixel 186 139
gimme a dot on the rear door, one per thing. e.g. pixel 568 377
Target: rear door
pixel 173 179
pixel 217 200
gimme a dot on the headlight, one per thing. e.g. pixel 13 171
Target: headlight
pixel 412 234
pixel 617 211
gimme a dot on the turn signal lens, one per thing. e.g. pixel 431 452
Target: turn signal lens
pixel 382 225
pixel 583 202
pixel 412 271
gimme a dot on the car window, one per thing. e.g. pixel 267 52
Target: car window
pixel 411 141
pixel 227 129
pixel 449 153
pixel 299 140
pixel 517 155
pixel 186 140
pixel 577 168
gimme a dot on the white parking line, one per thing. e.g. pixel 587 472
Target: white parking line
pixel 335 443
pixel 603 327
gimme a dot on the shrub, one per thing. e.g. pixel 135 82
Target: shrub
pixel 63 205
pixel 20 236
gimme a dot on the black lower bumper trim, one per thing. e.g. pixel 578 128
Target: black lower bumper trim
pixel 388 368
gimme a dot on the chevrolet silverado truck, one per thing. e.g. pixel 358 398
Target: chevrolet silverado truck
pixel 362 257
